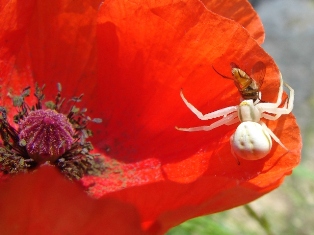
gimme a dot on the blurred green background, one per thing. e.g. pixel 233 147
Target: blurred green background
pixel 289 210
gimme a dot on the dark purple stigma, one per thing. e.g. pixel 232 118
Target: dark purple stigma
pixel 46 134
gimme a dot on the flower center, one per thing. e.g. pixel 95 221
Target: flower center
pixel 47 134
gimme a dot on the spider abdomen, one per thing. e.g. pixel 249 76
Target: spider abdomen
pixel 250 141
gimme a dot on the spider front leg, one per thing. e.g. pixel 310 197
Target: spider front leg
pixel 273 108
pixel 215 114
pixel 227 120
pixel 229 115
pixel 279 96
pixel 275 117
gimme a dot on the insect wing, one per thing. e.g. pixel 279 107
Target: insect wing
pixel 258 73
pixel 241 79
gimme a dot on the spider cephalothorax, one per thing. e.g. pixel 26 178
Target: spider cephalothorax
pixel 47 136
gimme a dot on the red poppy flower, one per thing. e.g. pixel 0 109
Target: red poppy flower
pixel 130 59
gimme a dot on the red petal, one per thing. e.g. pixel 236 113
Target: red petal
pixel 15 16
pixel 147 53
pixel 46 203
pixel 240 11
pixel 55 42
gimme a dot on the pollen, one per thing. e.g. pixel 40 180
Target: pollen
pixel 46 134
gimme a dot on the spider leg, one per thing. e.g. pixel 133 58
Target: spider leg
pixel 234 120
pixel 271 117
pixel 279 97
pixel 227 120
pixel 273 109
pixel 215 114
pixel 258 99
pixel 273 135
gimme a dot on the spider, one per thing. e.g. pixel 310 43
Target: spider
pixel 252 138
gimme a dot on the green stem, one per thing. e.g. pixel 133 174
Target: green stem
pixel 260 219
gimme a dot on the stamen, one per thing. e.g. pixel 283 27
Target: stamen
pixel 48 135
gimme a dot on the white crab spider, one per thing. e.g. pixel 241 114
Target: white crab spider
pixel 252 138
